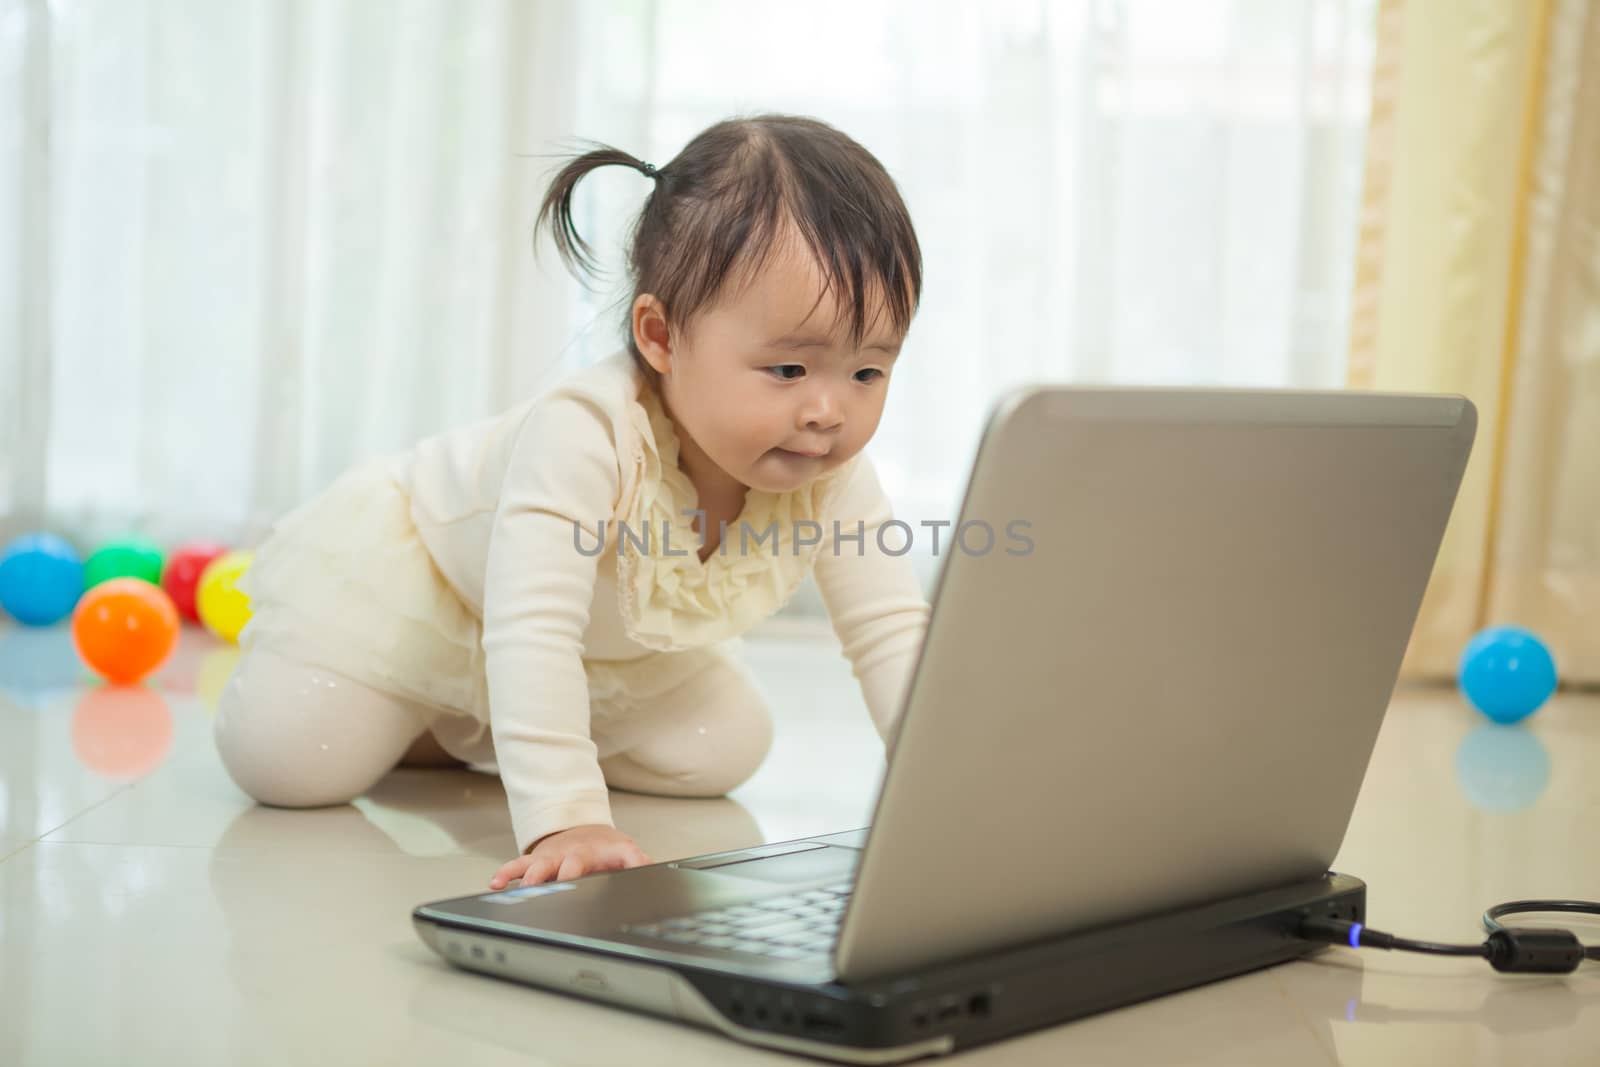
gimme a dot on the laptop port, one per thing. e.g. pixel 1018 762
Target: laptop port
pixel 816 1024
pixel 978 1004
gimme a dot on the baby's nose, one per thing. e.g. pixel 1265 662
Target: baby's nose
pixel 824 415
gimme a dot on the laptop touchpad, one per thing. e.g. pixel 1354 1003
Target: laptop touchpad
pixel 806 866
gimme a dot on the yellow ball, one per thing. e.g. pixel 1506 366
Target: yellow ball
pixel 221 604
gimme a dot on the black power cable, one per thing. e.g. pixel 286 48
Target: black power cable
pixel 1515 949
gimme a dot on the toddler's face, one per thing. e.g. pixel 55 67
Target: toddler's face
pixel 770 390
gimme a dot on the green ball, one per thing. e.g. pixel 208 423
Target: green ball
pixel 129 557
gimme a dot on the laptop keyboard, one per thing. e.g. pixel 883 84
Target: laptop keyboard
pixel 790 927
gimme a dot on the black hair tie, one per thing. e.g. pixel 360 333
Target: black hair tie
pixel 648 171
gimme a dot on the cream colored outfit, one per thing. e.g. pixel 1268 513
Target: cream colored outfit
pixel 483 582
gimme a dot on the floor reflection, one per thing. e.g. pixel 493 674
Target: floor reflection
pixel 216 667
pixel 39 664
pixel 1522 1005
pixel 121 732
pixel 1502 768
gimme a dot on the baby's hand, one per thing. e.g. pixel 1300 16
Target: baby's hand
pixel 570 853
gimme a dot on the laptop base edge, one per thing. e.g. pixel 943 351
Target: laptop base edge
pixel 939 1009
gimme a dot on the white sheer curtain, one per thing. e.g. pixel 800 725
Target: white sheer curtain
pixel 245 244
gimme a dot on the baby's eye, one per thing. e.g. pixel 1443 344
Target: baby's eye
pixel 787 366
pixel 872 370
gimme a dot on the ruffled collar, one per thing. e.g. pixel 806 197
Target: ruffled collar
pixel 675 601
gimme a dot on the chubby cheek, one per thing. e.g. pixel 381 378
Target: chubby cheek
pixel 854 439
pixel 744 447
pixel 865 419
pixel 760 434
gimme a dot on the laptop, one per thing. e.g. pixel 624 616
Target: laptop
pixel 1126 758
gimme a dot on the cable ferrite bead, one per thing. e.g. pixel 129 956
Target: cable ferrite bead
pixel 1526 950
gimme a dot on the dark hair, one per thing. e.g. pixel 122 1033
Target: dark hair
pixel 721 203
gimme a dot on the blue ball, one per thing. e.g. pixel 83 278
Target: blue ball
pixel 41 579
pixel 1507 673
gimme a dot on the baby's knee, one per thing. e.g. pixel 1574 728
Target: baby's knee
pixel 706 754
pixel 289 736
pixel 737 750
pixel 266 758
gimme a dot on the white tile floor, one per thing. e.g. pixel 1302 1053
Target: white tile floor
pixel 149 913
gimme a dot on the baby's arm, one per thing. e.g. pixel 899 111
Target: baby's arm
pixel 874 599
pixel 537 592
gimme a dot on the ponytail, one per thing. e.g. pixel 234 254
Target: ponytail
pixel 557 207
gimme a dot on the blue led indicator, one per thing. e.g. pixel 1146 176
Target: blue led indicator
pixel 1355 935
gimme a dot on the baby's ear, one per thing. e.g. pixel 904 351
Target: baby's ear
pixel 651 334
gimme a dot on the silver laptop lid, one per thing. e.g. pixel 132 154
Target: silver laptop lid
pixel 1173 694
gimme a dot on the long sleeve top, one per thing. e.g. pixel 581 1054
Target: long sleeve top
pixel 548 522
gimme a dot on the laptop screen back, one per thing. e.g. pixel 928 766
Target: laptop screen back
pixel 1173 694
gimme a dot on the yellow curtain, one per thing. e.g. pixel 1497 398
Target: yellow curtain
pixel 1478 272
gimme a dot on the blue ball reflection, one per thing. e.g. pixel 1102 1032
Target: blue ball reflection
pixel 1502 768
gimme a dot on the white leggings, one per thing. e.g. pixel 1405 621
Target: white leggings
pixel 296 735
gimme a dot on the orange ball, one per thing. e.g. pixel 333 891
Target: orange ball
pixel 124 629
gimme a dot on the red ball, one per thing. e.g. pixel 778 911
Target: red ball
pixel 124 629
pixel 182 575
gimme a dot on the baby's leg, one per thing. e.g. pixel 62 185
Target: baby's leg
pixel 295 735
pixel 703 738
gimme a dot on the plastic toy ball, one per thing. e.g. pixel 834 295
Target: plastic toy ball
pixel 1507 673
pixel 223 606
pixel 124 629
pixel 41 579
pixel 181 576
pixel 127 558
